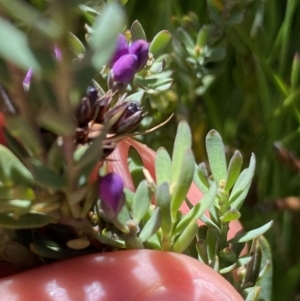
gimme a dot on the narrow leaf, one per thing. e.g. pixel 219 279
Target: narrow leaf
pixel 141 201
pixel 163 166
pixel 216 155
pixel 152 226
pixel 137 31
pixel 234 169
pixel 243 237
pixel 159 43
pixel 14 47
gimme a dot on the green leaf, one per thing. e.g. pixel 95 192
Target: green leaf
pixel 14 47
pixel 185 39
pixel 46 177
pixel 216 156
pixel 186 237
pixel 163 166
pixel 103 41
pixel 159 43
pixel 152 225
pixel 234 169
pixel 27 221
pixel 243 237
pixel 183 183
pixel 16 206
pixel 212 242
pixel 201 177
pixel 199 209
pixel 76 45
pixel 17 192
pixel 231 215
pixel 183 141
pixel 163 201
pixel 12 170
pixel 253 293
pixel 265 281
pixel 242 185
pixel 137 31
pixel 141 201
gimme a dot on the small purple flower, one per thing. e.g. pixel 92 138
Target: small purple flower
pixel 121 48
pixel 126 61
pixel 111 194
pixel 141 49
pixel 57 53
pixel 27 79
pixel 124 68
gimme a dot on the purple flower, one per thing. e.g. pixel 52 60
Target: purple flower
pixel 124 68
pixel 111 194
pixel 121 48
pixel 57 53
pixel 126 61
pixel 141 49
pixel 27 79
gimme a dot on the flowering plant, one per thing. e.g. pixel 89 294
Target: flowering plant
pixel 73 181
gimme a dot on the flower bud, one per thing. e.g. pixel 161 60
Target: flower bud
pixel 111 194
pixel 121 48
pixel 127 116
pixel 124 68
pixel 140 48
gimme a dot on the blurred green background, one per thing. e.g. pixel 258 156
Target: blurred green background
pixel 247 88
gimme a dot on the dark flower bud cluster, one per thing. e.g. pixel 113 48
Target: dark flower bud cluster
pixel 126 61
pixel 94 111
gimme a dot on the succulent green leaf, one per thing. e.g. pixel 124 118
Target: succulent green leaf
pixel 183 182
pixel 242 261
pixel 141 201
pixel 129 196
pixel 76 45
pixel 216 155
pixel 16 206
pixel 186 237
pixel 253 293
pixel 212 242
pixel 201 177
pixel 163 166
pixel 234 169
pixel 242 185
pixel 199 209
pixel 227 269
pixel 159 43
pixel 163 201
pixel 12 41
pixel 12 169
pixel 183 140
pixel 185 39
pixel 137 97
pixel 203 35
pixel 202 251
pixel 137 31
pixel 26 221
pixel 152 225
pixel 103 41
pixel 46 177
pixel 265 281
pixel 230 215
pixel 243 237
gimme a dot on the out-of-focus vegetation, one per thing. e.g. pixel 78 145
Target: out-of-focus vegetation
pixel 247 88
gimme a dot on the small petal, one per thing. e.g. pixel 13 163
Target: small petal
pixel 57 53
pixel 111 194
pixel 141 49
pixel 121 48
pixel 124 68
pixel 27 79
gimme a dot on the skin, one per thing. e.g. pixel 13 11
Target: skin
pixel 132 275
